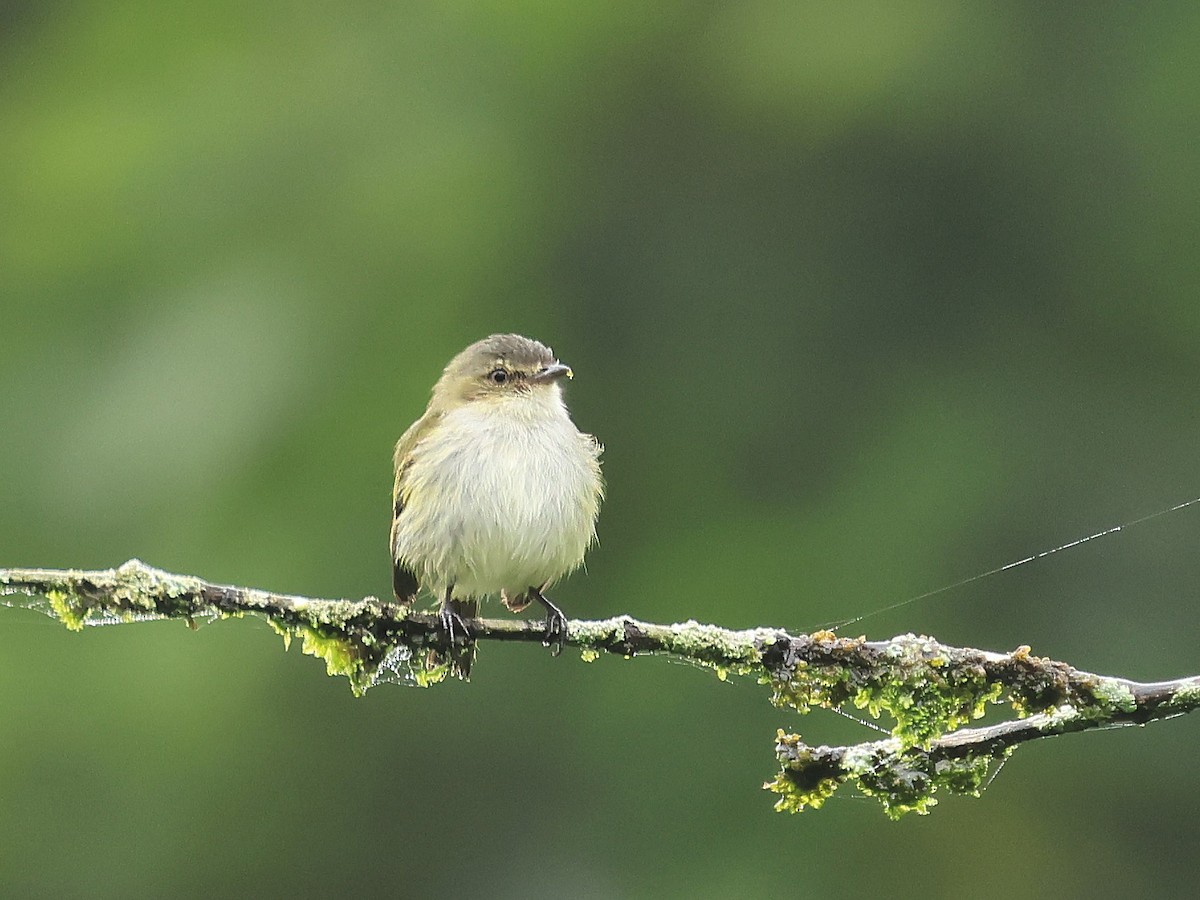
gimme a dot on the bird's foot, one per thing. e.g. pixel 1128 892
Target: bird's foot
pixel 556 625
pixel 460 643
pixel 454 626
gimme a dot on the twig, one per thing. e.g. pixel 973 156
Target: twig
pixel 930 690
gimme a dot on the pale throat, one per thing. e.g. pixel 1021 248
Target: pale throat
pixel 540 404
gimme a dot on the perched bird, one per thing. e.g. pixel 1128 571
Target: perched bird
pixel 496 490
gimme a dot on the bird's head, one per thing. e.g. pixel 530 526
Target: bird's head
pixel 499 367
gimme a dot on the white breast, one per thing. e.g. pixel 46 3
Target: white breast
pixel 500 496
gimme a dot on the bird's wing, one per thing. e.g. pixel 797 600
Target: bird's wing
pixel 404 580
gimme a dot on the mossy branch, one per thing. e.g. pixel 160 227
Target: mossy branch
pixel 929 691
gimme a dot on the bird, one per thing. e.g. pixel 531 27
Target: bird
pixel 496 491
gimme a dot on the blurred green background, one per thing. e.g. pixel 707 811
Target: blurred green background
pixel 863 299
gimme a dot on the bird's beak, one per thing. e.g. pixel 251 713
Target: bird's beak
pixel 552 373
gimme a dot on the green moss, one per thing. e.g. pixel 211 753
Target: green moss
pixel 913 683
pixel 903 780
pixel 734 652
pixel 429 675
pixel 928 703
pixel 342 656
pixel 596 634
pixel 926 693
pixel 907 782
pixel 805 780
pixel 809 686
pixel 793 799
pixel 1187 697
pixel 63 606
pixel 350 649
pixel 968 776
pixel 283 631
pixel 1113 695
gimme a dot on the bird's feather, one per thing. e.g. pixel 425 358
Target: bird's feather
pixel 405 584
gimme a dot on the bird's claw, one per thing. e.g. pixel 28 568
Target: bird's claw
pixel 451 622
pixel 556 632
pixel 460 643
pixel 556 626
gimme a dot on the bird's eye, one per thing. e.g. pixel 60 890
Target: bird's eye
pixel 498 376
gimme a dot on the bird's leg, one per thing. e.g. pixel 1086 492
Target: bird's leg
pixel 556 623
pixel 451 620
pixel 460 643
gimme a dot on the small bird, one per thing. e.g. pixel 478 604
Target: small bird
pixel 496 492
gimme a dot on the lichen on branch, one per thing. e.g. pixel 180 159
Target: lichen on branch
pixel 928 690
